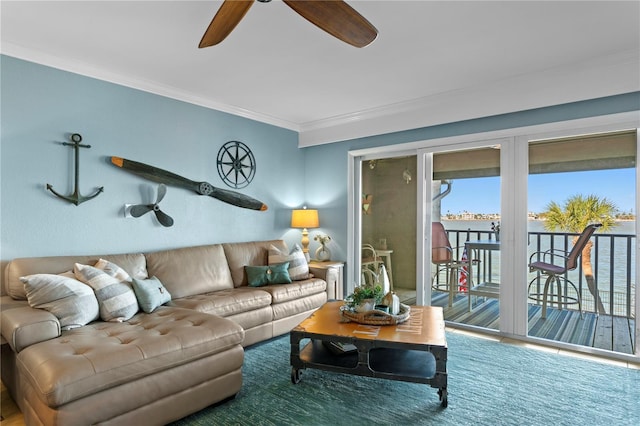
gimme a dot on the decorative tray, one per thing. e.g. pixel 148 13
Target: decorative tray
pixel 375 317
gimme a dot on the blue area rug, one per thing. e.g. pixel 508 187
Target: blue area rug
pixel 489 383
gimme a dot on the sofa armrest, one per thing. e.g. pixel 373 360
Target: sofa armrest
pixel 332 275
pixel 25 326
pixel 318 272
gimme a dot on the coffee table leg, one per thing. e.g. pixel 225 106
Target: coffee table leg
pixel 295 375
pixel 440 379
pixel 296 363
pixel 444 399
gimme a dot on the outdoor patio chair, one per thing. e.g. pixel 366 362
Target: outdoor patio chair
pixel 554 264
pixel 442 256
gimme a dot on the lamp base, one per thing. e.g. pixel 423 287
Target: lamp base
pixel 305 244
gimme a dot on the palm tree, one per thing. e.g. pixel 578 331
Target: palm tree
pixel 577 212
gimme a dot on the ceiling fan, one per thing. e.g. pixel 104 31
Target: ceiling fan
pixel 333 16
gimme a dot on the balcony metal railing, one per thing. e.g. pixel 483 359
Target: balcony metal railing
pixel 612 260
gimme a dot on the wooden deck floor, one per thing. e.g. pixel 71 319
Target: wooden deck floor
pixel 597 331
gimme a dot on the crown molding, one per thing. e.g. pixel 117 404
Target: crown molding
pixel 601 77
pixel 88 70
pixel 606 76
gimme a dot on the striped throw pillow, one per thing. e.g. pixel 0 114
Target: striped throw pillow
pixel 116 298
pixel 298 266
pixel 71 301
pixel 112 269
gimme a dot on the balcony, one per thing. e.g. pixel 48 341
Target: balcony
pixel 613 262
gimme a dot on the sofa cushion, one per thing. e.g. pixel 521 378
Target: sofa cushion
pixel 69 300
pixel 254 319
pixel 259 276
pixel 116 298
pixel 191 270
pixel 134 264
pixel 298 266
pixel 102 355
pixel 226 302
pixel 255 253
pixel 295 290
pixel 293 307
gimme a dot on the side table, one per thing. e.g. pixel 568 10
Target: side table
pixel 332 272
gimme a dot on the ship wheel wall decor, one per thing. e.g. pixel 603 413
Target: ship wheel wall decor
pixel 236 164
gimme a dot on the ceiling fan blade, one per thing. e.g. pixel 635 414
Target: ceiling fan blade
pixel 203 188
pixel 162 191
pixel 140 209
pixel 228 16
pixel 338 19
pixel 163 218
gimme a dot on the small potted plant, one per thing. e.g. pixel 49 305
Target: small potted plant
pixel 364 298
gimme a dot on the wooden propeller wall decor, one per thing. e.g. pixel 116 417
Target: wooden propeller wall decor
pixel 202 188
pixel 333 16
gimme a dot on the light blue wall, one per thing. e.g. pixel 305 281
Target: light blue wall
pixel 41 106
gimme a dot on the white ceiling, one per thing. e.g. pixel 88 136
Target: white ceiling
pixel 433 61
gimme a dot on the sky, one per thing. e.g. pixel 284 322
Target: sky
pixel 482 195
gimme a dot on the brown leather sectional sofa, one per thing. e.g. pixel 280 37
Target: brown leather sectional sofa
pixel 155 367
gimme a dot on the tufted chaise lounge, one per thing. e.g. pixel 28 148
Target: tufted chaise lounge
pixel 169 361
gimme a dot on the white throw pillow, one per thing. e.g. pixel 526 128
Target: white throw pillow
pixel 72 302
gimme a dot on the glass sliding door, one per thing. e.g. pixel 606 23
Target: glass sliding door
pixel 465 235
pixel 575 181
pixel 518 182
pixel 388 219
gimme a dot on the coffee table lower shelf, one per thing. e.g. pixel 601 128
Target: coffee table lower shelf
pixel 401 363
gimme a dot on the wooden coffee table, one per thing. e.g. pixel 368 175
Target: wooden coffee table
pixel 414 351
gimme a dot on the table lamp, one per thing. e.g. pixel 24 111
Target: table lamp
pixel 305 218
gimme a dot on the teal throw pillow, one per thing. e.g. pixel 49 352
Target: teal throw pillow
pixel 150 293
pixel 270 274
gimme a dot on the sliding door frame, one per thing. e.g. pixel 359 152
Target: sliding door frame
pixel 425 208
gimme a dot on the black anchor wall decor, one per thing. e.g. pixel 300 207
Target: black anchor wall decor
pixel 76 198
